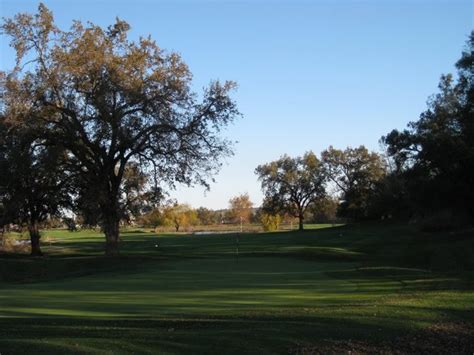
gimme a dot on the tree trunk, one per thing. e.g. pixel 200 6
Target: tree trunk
pixel 300 218
pixel 112 234
pixel 35 236
pixel 110 208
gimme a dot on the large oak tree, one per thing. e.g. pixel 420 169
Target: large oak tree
pixel 355 173
pixel 291 184
pixel 110 101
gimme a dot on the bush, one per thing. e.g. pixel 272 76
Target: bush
pixel 444 220
pixel 270 222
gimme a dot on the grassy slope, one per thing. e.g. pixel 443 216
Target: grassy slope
pixel 178 293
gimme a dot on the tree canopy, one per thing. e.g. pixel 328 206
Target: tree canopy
pixel 110 102
pixel 240 208
pixel 355 173
pixel 33 185
pixel 179 216
pixel 435 155
pixel 291 184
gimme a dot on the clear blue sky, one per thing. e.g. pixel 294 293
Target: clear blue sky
pixel 310 73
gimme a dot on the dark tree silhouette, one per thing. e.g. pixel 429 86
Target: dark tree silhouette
pixel 33 184
pixel 109 102
pixel 355 173
pixel 436 153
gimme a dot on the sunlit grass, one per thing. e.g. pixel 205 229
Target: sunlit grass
pixel 189 293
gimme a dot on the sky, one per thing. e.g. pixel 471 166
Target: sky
pixel 310 73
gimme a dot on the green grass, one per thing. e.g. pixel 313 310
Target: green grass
pixel 174 293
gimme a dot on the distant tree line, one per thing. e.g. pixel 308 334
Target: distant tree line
pixel 341 184
pixel 240 211
pixel 425 174
pixel 94 126
pixel 432 160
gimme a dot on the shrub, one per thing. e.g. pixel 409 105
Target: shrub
pixel 444 220
pixel 270 222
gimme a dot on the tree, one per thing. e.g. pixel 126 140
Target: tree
pixel 33 185
pixel 111 102
pixel 436 153
pixel 270 222
pixel 178 216
pixel 291 184
pixel 151 218
pixel 324 210
pixel 240 208
pixel 355 173
pixel 135 197
pixel 207 217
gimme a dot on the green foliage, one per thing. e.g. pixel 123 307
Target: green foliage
pixel 152 218
pixel 435 155
pixel 33 183
pixel 355 173
pixel 323 210
pixel 291 184
pixel 208 217
pixel 112 104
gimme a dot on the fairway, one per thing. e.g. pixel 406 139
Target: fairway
pixel 284 292
pixel 236 177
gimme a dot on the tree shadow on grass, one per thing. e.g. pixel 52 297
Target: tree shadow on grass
pixel 27 270
pixel 230 335
pixel 198 335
